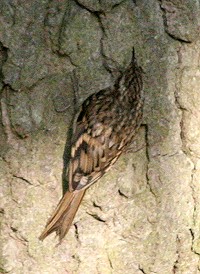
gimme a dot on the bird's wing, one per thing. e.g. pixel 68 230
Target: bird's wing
pixel 92 154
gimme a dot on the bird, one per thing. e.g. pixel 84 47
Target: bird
pixel 103 129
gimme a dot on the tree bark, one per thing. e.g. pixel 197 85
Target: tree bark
pixel 142 217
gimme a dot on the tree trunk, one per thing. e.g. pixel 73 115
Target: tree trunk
pixel 144 215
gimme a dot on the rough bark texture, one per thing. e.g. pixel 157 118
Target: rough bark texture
pixel 144 216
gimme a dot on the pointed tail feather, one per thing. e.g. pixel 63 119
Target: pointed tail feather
pixel 63 215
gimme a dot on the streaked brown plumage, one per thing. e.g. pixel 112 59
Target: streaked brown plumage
pixel 105 126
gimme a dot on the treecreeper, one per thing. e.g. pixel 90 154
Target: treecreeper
pixel 105 126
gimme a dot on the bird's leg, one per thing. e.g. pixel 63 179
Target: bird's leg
pixel 133 148
pixel 138 142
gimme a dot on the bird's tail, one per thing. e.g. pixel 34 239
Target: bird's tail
pixel 63 215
